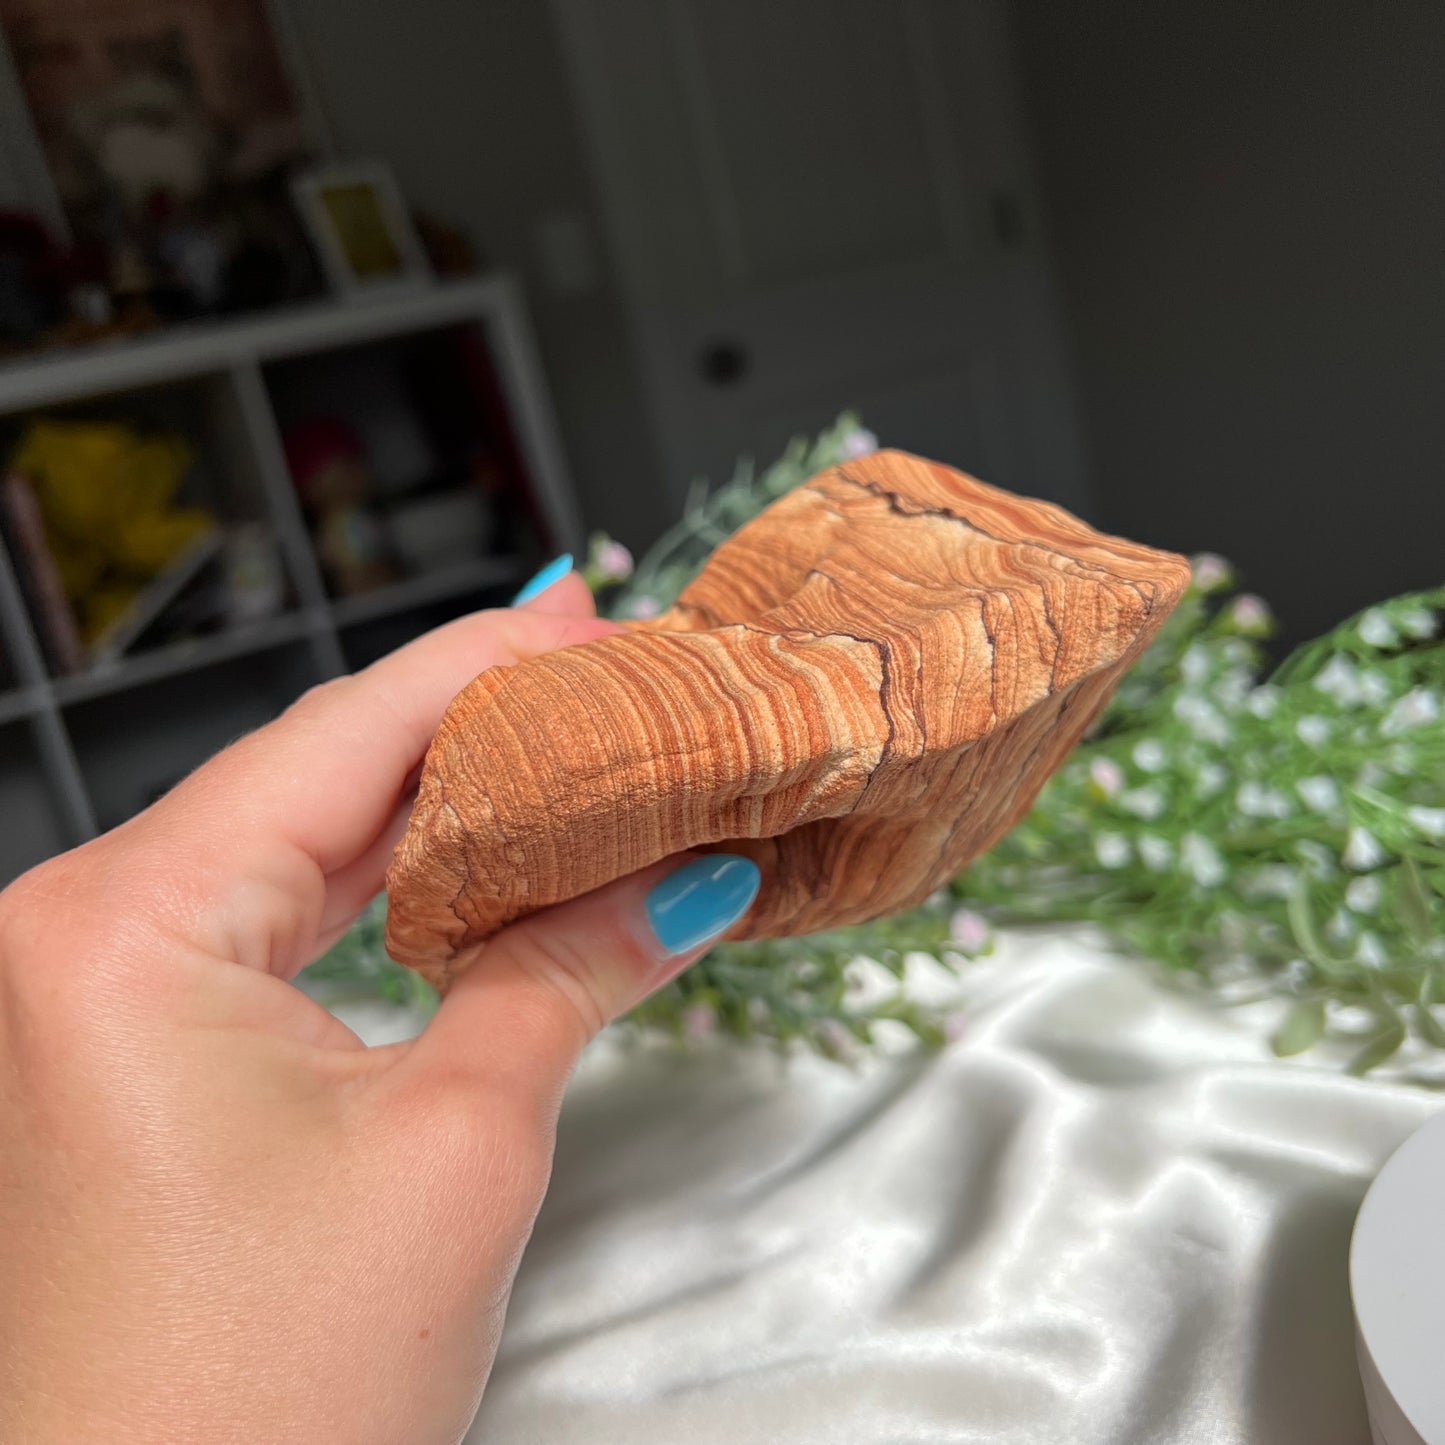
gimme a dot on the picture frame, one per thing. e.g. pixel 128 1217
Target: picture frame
pixel 156 142
pixel 361 229
pixel 64 66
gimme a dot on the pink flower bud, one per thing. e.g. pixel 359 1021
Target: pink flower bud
pixel 614 562
pixel 1251 615
pixel 1107 776
pixel 968 930
pixel 1211 572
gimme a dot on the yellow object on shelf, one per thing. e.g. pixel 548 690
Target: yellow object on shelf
pixel 107 493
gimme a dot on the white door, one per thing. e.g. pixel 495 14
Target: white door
pixel 825 204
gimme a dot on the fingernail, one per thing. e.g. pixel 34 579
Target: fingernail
pixel 551 574
pixel 701 899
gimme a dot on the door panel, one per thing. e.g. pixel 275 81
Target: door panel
pixel 804 200
pixel 800 102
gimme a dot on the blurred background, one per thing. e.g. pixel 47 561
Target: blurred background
pixel 323 322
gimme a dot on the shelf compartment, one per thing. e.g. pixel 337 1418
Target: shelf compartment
pixel 415 607
pixel 462 580
pixel 223 478
pixel 131 755
pixel 189 655
pixel 428 415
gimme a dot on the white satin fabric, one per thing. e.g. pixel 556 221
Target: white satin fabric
pixel 1106 1214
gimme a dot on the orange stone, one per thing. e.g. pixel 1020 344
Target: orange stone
pixel 864 688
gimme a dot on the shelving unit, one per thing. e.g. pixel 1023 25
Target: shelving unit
pixel 82 752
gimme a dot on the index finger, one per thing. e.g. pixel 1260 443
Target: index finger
pixel 246 844
pixel 327 773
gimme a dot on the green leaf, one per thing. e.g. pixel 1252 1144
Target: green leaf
pixel 1415 902
pixel 1302 925
pixel 1303 1028
pixel 1380 1048
pixel 1428 1026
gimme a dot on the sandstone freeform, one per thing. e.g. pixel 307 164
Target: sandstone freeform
pixel 863 689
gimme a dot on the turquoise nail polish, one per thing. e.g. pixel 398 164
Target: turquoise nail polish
pixel 552 573
pixel 701 899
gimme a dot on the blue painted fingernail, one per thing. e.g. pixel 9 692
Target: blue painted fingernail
pixel 701 899
pixel 551 574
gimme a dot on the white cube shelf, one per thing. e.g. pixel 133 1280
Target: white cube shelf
pixel 79 753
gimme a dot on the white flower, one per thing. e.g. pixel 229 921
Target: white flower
pixel 1201 719
pixel 1251 615
pixel 860 442
pixel 1297 973
pixel 1150 755
pixel 1363 851
pixel 1371 775
pixel 1254 800
pixel 968 930
pixel 1270 880
pixel 1200 858
pixel 1418 707
pixel 1377 630
pixel 1430 821
pixel 1363 894
pixel 1320 793
pixel 1111 849
pixel 699 1021
pixel 1155 853
pixel 1339 680
pixel 1341 927
pixel 1106 775
pixel 1264 700
pixel 644 607
pixel 1370 951
pixel 1313 731
pixel 1234 931
pixel 1234 688
pixel 1146 803
pixel 1374 688
pixel 1320 860
pixel 835 1041
pixel 1211 572
pixel 955 1026
pixel 1194 665
pixel 1210 779
pixel 1399 758
pixel 1417 622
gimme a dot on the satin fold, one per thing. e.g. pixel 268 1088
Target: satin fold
pixel 1105 1215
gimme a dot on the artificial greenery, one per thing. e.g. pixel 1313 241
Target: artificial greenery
pixel 1288 831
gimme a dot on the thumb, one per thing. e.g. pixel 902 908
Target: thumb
pixel 539 991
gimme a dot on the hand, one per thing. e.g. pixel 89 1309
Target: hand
pixel 221 1216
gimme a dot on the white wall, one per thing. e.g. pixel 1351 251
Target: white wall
pixel 1248 211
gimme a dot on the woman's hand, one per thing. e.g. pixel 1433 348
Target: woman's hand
pixel 223 1218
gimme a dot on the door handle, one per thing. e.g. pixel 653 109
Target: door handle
pixel 723 362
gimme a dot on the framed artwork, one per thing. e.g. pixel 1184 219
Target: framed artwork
pixel 170 131
pixel 361 228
